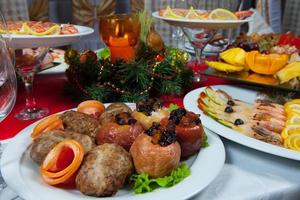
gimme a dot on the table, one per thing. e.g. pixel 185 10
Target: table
pixel 247 173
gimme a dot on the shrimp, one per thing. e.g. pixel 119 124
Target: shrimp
pixel 68 29
pixel 263 113
pixel 270 108
pixel 266 135
pixel 261 116
pixel 271 125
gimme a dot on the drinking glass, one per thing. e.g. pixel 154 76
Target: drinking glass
pixel 8 80
pixel 120 33
pixel 8 83
pixel 198 38
pixel 28 62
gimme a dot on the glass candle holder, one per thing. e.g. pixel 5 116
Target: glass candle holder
pixel 120 33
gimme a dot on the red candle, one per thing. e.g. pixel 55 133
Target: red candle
pixel 120 48
pixel 120 33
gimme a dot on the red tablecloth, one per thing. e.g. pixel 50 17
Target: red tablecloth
pixel 49 92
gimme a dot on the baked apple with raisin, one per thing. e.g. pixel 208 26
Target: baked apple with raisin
pixel 189 131
pixel 122 130
pixel 150 111
pixel 156 151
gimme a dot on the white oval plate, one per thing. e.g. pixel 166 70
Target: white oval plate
pixel 22 175
pixel 247 95
pixel 31 41
pixel 207 24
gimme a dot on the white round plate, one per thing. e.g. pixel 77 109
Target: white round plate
pixel 198 24
pixel 22 175
pixel 246 95
pixel 31 41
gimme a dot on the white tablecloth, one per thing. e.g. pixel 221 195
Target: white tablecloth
pixel 247 174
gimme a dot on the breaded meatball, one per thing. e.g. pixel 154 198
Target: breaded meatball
pixel 80 123
pixel 104 170
pixel 112 110
pixel 42 145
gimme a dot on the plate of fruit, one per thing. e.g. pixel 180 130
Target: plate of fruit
pixel 270 60
pixel 116 151
pixel 30 34
pixel 192 18
pixel 243 116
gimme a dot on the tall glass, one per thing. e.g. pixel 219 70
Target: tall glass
pixel 120 33
pixel 28 62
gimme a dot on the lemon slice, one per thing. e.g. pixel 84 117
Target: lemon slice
pixel 170 14
pixel 192 14
pixel 292 107
pixel 221 14
pixel 290 129
pixel 293 118
pixel 293 142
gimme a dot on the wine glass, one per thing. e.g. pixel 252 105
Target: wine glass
pixel 198 38
pixel 8 83
pixel 28 62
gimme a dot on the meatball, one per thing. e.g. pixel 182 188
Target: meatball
pixel 42 145
pixel 80 123
pixel 112 110
pixel 104 170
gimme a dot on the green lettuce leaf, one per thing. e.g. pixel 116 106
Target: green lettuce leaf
pixel 173 106
pixel 142 183
pixel 205 142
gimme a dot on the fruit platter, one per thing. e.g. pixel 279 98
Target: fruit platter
pixel 31 34
pixel 191 18
pixel 266 60
pixel 126 151
pixel 251 119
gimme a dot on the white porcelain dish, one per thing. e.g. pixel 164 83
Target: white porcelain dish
pixel 199 24
pixel 22 174
pixel 246 95
pixel 31 41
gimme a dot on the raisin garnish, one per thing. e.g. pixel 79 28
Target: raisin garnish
pixel 148 105
pixel 124 118
pixel 228 109
pixel 176 115
pixel 238 122
pixel 230 103
pixel 152 129
pixel 167 138
pixel 198 121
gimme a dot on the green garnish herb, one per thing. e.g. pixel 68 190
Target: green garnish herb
pixel 142 183
pixel 104 53
pixel 173 106
pixel 205 142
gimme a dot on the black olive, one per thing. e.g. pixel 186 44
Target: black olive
pixel 230 103
pixel 228 109
pixel 238 122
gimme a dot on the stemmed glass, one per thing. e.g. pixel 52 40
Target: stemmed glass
pixel 28 62
pixel 198 38
pixel 8 83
